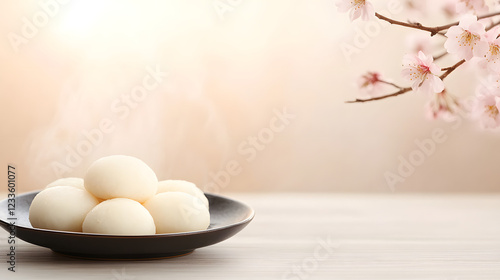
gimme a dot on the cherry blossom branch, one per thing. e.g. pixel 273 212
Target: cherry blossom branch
pixel 488 15
pixel 433 30
pixel 402 90
pixel 389 83
pixel 441 55
pixel 492 25
pixel 450 69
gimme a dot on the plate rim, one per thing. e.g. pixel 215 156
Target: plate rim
pixel 248 219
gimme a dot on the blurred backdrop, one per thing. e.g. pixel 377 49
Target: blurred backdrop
pixel 244 95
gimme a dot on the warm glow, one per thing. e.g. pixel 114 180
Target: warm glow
pixel 234 67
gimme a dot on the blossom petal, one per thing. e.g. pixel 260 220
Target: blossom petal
pixel 438 84
pixel 466 20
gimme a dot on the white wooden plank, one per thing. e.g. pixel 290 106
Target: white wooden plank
pixel 431 237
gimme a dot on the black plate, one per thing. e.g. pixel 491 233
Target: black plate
pixel 227 217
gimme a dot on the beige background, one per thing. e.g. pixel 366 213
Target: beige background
pixel 227 77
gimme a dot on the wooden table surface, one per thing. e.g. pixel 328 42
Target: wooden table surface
pixel 317 236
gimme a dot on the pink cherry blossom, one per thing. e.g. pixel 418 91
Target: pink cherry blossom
pixel 372 85
pixel 492 57
pixel 474 6
pixel 486 107
pixel 442 106
pixel 466 40
pixel 422 72
pixel 358 8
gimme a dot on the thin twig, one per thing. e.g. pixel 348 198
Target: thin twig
pixel 389 83
pixel 433 30
pixel 491 26
pixel 441 55
pixel 450 69
pixel 447 72
pixel 488 15
pixel 401 91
